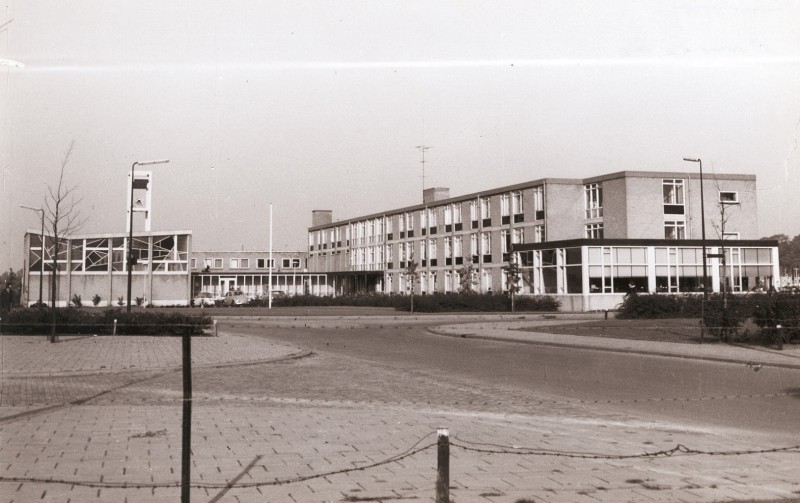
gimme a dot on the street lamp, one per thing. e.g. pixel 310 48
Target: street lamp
pixel 702 226
pixel 41 255
pixel 129 253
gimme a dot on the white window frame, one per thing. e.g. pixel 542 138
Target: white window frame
pixel 486 207
pixel 505 205
pixel 516 202
pixel 593 200
pixel 678 228
pixel 594 231
pixel 677 196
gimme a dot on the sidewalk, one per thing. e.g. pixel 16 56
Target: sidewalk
pixel 30 356
pixel 263 448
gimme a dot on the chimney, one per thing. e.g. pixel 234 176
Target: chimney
pixel 321 217
pixel 435 194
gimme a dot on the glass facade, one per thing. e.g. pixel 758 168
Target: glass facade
pixel 616 269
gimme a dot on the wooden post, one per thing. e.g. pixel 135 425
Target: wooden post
pixel 443 467
pixel 186 444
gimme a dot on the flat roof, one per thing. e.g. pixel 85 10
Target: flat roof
pixel 574 243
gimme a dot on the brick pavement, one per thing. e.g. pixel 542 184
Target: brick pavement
pixel 128 433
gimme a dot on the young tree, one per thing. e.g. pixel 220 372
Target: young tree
pixel 467 279
pixel 513 275
pixel 726 324
pixel 411 276
pixel 62 218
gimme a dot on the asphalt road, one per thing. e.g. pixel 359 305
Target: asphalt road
pixel 409 365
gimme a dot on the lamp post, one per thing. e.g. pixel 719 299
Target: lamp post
pixel 129 253
pixel 702 226
pixel 41 256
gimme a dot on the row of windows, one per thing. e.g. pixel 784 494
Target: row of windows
pixel 376 230
pixel 454 281
pixel 426 250
pixel 244 263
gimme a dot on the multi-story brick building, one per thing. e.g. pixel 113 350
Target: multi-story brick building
pixel 587 241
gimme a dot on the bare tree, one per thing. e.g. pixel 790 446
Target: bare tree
pixel 63 218
pixel 513 275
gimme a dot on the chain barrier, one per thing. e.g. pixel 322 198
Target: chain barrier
pixel 414 449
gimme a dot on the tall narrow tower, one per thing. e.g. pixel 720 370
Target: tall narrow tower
pixel 141 185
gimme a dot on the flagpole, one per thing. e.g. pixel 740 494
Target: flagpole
pixel 271 263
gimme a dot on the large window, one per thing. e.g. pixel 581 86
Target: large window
pixel 593 200
pixel 679 269
pixel 747 269
pixel 486 247
pixel 538 202
pixel 673 197
pixel 516 202
pixel 617 269
pixel 458 248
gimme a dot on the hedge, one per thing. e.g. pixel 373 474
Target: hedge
pixel 38 321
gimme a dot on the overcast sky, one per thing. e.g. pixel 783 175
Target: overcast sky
pixel 320 105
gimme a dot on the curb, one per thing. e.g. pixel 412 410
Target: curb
pixel 718 359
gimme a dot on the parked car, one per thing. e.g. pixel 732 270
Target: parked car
pixel 203 299
pixel 235 298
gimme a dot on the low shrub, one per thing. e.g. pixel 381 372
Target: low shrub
pixel 778 308
pixel 75 321
pixel 459 302
pixel 723 318
pixel 427 303
pixel 96 300
pixel 76 300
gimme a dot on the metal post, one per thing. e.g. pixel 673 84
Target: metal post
pixel 115 327
pixel 129 255
pixel 443 467
pixel 779 332
pixel 703 230
pixel 186 444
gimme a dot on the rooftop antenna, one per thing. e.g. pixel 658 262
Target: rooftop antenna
pixel 423 148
